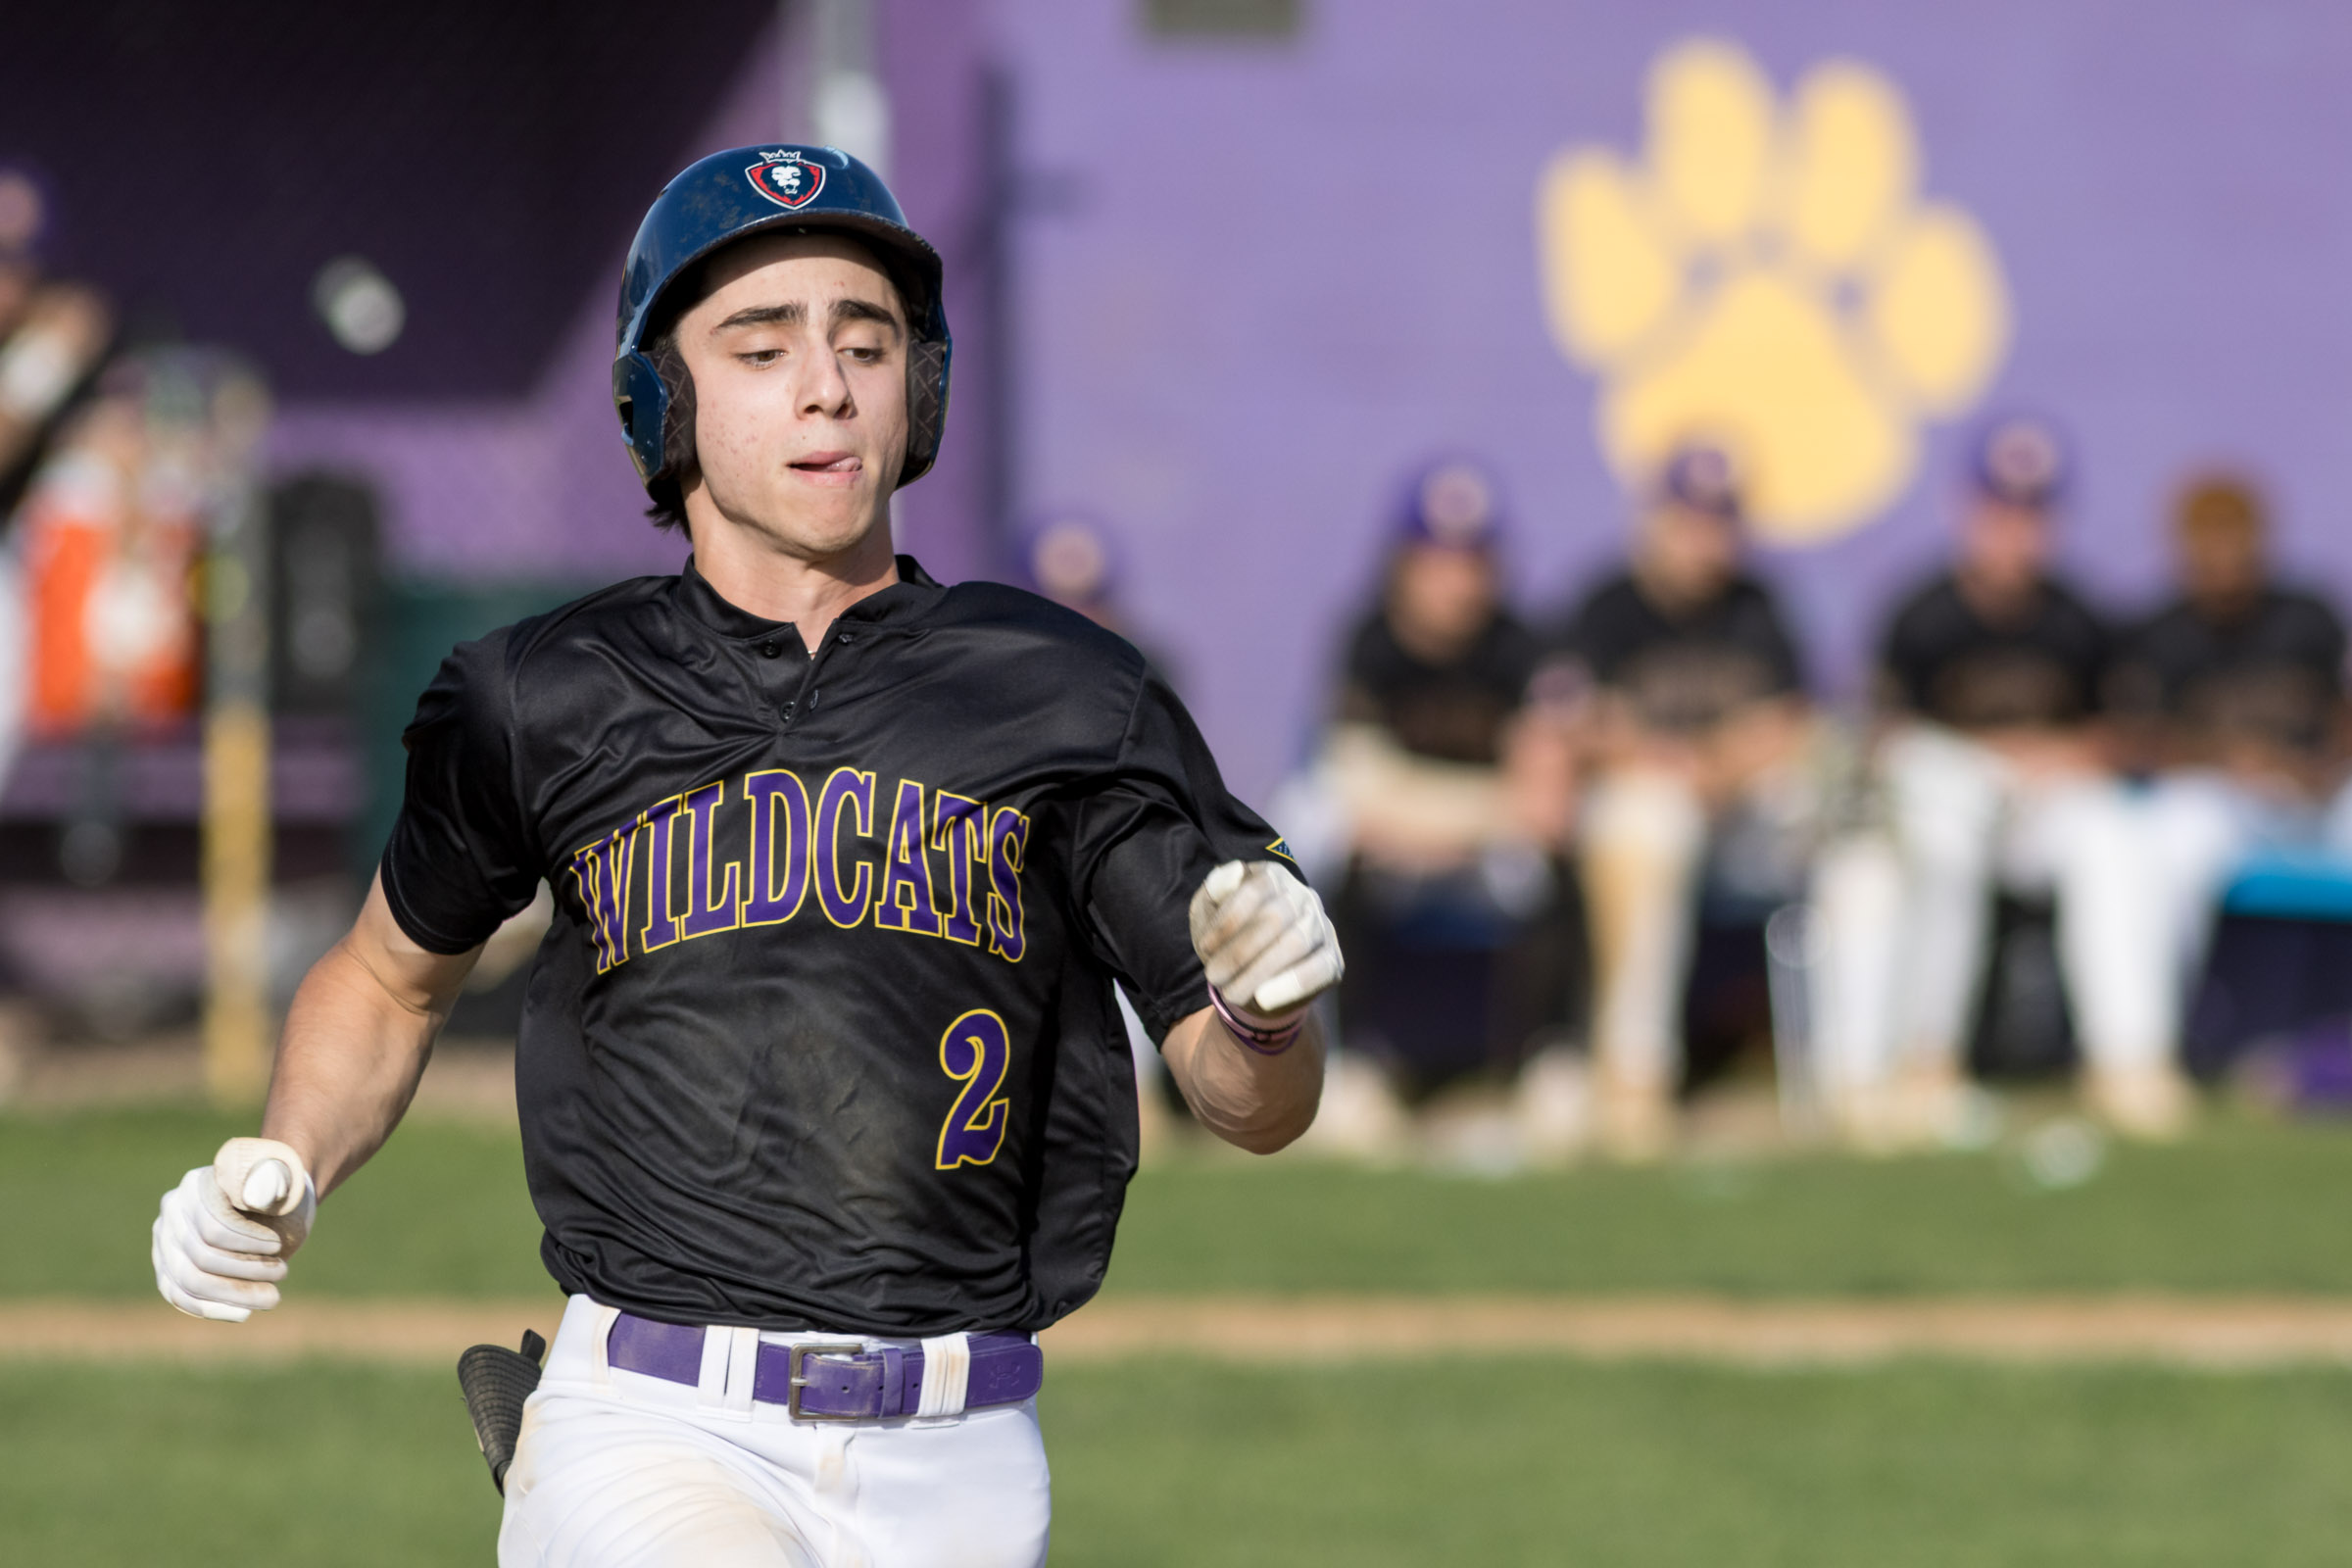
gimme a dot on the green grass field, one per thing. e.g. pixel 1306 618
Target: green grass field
pixel 1491 1461
pixel 1168 1463
pixel 443 1211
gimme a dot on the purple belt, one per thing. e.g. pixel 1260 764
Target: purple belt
pixel 832 1380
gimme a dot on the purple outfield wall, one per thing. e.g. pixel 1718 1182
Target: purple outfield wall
pixel 1285 272
pixel 1252 284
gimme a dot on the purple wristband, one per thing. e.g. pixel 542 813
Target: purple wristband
pixel 1266 1042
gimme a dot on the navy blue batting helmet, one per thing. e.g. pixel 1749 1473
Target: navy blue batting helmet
pixel 754 190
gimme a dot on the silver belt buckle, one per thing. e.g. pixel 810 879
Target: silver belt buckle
pixel 797 1366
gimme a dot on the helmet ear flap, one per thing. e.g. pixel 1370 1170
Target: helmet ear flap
pixel 642 404
pixel 926 405
pixel 654 397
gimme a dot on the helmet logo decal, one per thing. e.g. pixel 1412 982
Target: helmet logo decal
pixel 787 178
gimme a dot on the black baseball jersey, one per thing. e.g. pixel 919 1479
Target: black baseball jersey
pixel 1943 660
pixel 1452 710
pixel 822 1035
pixel 1686 670
pixel 2272 673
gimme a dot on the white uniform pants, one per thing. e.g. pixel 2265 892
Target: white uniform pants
pixel 1644 845
pixel 1908 919
pixel 617 1468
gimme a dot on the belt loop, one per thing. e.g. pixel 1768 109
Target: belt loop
pixel 894 1381
pixel 711 1383
pixel 946 1371
pixel 600 1320
pixel 743 1369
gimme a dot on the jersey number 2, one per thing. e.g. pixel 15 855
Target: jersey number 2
pixel 975 1052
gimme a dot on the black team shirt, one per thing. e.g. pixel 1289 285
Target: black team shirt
pixel 1689 670
pixel 1454 711
pixel 822 1034
pixel 2273 673
pixel 1947 662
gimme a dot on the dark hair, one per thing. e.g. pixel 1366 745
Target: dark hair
pixel 2219 503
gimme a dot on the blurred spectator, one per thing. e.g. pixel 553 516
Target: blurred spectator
pixel 112 529
pixel 52 334
pixel 52 337
pixel 1684 690
pixel 1451 895
pixel 1995 776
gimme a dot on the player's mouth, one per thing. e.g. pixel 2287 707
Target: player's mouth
pixel 830 467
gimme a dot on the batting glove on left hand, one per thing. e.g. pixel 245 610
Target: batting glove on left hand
pixel 1264 939
pixel 222 1238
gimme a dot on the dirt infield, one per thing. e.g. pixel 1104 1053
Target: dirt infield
pixel 2216 1331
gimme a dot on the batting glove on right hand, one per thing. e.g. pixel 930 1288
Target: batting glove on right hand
pixel 1263 937
pixel 220 1256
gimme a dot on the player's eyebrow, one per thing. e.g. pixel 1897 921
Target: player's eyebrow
pixel 790 313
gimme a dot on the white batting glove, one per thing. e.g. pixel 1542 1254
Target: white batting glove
pixel 1264 939
pixel 225 1232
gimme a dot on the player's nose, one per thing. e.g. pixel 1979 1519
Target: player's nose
pixel 824 389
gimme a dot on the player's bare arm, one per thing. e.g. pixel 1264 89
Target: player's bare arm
pixel 358 1035
pixel 356 1038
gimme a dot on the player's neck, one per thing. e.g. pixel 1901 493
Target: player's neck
pixel 756 575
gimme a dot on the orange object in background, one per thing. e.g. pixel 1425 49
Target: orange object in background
pixel 110 544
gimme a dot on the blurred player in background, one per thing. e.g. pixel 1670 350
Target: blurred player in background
pixel 1686 699
pixel 1996 774
pixel 2230 699
pixel 1453 872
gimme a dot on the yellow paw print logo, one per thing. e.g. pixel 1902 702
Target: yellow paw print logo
pixel 1771 279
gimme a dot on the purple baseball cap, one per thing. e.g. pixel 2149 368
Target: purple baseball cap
pixel 1702 478
pixel 2020 461
pixel 1453 504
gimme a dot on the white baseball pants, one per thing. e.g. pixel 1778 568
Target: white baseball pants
pixel 616 1469
pixel 2133 874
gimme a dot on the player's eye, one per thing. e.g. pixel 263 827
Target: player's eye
pixel 863 353
pixel 760 359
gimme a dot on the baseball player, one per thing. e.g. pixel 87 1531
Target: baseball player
pixel 825 1104
pixel 1996 774
pixel 1695 726
pixel 2230 700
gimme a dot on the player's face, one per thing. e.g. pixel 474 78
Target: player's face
pixel 2222 562
pixel 1690 553
pixel 1442 597
pixel 2005 546
pixel 799 359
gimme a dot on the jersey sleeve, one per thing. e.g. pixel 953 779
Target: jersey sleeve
pixel 1157 824
pixel 460 860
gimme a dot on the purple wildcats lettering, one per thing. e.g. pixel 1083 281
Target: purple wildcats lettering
pixel 707 908
pixel 961 833
pixel 661 871
pixel 779 862
pixel 846 787
pixel 905 903
pixel 601 872
pixel 1008 846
